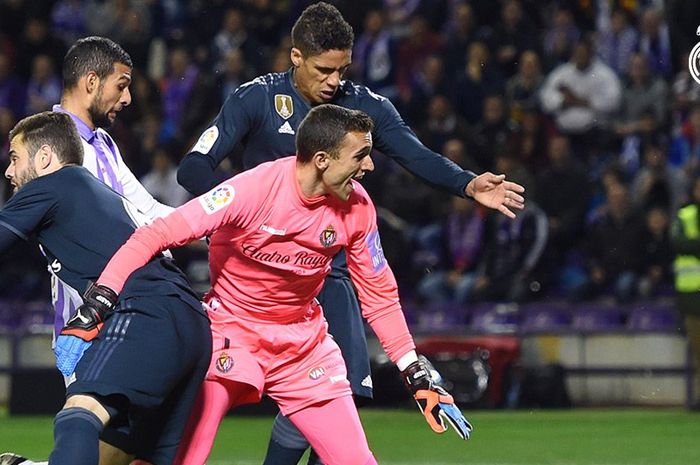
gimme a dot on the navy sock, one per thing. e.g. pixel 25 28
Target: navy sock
pixel 76 433
pixel 287 444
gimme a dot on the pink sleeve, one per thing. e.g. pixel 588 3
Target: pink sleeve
pixel 197 218
pixel 375 282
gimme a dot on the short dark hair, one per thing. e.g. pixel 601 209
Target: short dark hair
pixel 54 129
pixel 98 54
pixel 320 28
pixel 325 127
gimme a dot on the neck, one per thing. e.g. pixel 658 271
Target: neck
pixel 309 180
pixel 299 89
pixel 73 105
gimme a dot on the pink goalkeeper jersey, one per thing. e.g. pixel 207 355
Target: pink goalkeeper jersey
pixel 271 249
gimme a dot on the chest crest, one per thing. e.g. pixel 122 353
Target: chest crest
pixel 284 106
pixel 328 236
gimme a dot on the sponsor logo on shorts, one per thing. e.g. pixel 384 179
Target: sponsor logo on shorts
pixel 376 253
pixel 316 373
pixel 328 236
pixel 284 106
pixel 206 140
pixel 224 362
pixel 217 198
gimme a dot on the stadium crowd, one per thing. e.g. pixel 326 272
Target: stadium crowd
pixel 588 104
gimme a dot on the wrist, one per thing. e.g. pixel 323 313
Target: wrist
pixel 405 360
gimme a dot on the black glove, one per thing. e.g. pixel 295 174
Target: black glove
pixel 84 326
pixel 434 402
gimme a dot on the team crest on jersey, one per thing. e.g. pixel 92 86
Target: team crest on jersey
pixel 224 362
pixel 328 236
pixel 206 140
pixel 316 373
pixel 284 106
pixel 217 198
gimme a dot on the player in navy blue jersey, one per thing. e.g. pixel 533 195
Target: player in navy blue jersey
pixel 264 116
pixel 136 362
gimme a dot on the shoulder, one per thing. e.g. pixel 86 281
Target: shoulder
pixel 363 94
pixel 261 85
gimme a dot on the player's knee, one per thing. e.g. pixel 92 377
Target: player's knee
pixel 88 403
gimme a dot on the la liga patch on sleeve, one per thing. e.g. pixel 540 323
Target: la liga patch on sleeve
pixel 376 253
pixel 217 198
pixel 206 140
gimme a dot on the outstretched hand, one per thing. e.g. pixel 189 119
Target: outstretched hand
pixel 493 191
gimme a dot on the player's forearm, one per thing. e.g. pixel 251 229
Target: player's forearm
pixel 390 327
pixel 143 245
pixel 196 173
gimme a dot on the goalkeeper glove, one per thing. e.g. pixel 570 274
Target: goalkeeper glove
pixel 434 402
pixel 77 335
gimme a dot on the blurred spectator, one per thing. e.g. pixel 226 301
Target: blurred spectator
pixel 114 19
pixel 413 50
pixel 685 95
pixel 643 93
pixel 161 181
pixel 658 183
pixel 44 86
pixel 581 95
pixel 563 193
pixel 513 35
pixel 461 31
pixel 233 34
pixel 136 37
pixel 452 249
pixel 614 249
pixel 655 42
pixel 656 273
pixel 509 269
pixel 441 124
pixel 685 238
pixel 617 41
pixel 522 89
pixel 560 37
pixel 490 134
pixel 265 17
pixel 682 17
pixel 185 94
pixel 374 56
pixel 455 150
pixel 427 84
pixel 235 73
pixel 477 79
pixel 37 39
pixel 68 20
pixel 506 162
pixel 685 148
pixel 12 92
pixel 527 141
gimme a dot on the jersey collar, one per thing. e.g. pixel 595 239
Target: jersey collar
pixel 83 129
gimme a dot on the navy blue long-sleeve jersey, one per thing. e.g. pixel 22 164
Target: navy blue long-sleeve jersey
pixel 80 223
pixel 265 113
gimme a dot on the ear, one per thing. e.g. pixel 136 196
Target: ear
pixel 92 82
pixel 321 160
pixel 44 157
pixel 296 56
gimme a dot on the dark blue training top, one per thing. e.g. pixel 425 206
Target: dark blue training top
pixel 265 113
pixel 80 223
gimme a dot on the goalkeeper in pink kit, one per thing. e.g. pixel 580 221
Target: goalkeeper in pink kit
pixel 274 230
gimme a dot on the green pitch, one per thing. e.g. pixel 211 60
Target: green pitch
pixel 400 437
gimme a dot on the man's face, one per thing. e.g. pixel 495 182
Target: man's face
pixel 21 169
pixel 111 97
pixel 317 77
pixel 352 162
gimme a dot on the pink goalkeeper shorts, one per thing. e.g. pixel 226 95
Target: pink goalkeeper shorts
pixel 296 364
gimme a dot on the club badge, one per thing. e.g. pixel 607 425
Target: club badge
pixel 224 362
pixel 328 236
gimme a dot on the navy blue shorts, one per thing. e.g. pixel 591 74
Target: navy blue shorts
pixel 146 367
pixel 345 323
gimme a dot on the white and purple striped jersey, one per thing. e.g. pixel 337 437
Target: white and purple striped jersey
pixel 102 158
